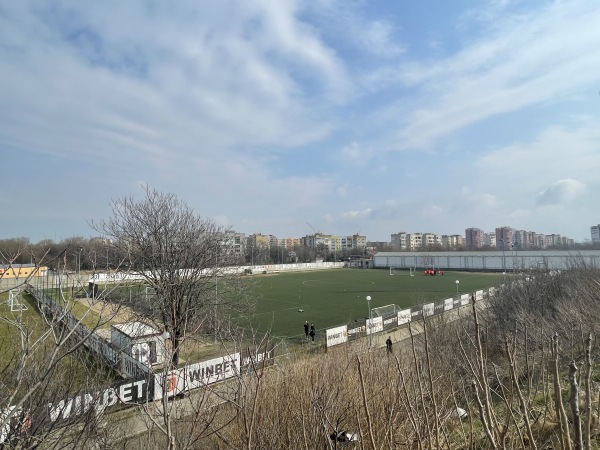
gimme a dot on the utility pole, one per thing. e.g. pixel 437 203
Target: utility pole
pixel 369 328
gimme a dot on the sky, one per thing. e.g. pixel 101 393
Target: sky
pixel 289 117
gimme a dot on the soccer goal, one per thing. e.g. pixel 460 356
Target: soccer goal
pixel 14 300
pixel 385 311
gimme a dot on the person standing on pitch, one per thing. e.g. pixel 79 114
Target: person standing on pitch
pixel 306 329
pixel 312 332
pixel 388 344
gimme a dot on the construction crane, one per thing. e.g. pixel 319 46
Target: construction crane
pixel 313 228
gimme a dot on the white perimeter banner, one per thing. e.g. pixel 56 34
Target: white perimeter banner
pixel 404 316
pixel 478 295
pixel 428 309
pixel 464 299
pixel 374 325
pixel 196 375
pixel 337 335
pixel 448 304
pixel 491 292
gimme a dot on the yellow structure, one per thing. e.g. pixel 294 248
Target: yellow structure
pixel 22 271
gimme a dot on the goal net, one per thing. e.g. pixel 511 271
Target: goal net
pixel 385 311
pixel 14 300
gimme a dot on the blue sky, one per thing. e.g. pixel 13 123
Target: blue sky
pixel 267 116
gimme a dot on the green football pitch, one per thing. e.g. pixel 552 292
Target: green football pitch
pixel 334 297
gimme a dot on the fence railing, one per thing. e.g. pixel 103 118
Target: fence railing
pixel 126 365
pixel 365 327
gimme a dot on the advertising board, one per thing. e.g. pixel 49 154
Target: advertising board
pixel 404 316
pixel 337 335
pixel 428 309
pixel 374 325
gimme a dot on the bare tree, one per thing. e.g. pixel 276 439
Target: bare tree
pixel 44 367
pixel 179 254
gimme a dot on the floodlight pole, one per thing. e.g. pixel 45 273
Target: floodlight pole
pixel 79 262
pixel 216 294
pixel 503 256
pixel 369 328
pixel 514 254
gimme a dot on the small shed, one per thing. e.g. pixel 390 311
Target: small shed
pixel 140 341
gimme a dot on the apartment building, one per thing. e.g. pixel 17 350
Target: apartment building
pixel 504 238
pixel 489 239
pixel 289 243
pixel 452 241
pixel 356 241
pixel 258 240
pixel 415 241
pixel 474 238
pixel 398 241
pixel 334 243
pixel 595 230
pixel 519 239
pixel 318 239
pixel 235 243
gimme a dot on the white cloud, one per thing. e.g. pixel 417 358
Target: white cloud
pixel 266 115
pixel 561 191
pixel 243 88
pixel 357 214
pixel 556 152
pixel 526 59
pixel 356 154
pixel 342 190
pixel 377 37
pixel 483 200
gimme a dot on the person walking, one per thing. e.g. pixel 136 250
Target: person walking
pixel 312 332
pixel 388 344
pixel 306 329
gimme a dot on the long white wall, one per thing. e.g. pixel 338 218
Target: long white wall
pixel 103 278
pixel 495 260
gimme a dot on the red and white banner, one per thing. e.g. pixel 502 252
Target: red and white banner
pixel 195 375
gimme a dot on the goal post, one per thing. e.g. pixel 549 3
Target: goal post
pixel 385 311
pixel 14 300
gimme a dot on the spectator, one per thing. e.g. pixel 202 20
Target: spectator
pixel 306 329
pixel 312 332
pixel 388 344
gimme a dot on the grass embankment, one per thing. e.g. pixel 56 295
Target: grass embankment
pixel 26 336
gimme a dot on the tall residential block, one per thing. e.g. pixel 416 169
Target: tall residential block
pixel 595 229
pixel 504 238
pixel 398 241
pixel 474 238
pixel 489 239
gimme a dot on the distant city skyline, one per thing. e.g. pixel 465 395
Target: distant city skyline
pixel 368 117
pixel 464 234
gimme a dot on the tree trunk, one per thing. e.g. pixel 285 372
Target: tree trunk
pixel 574 402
